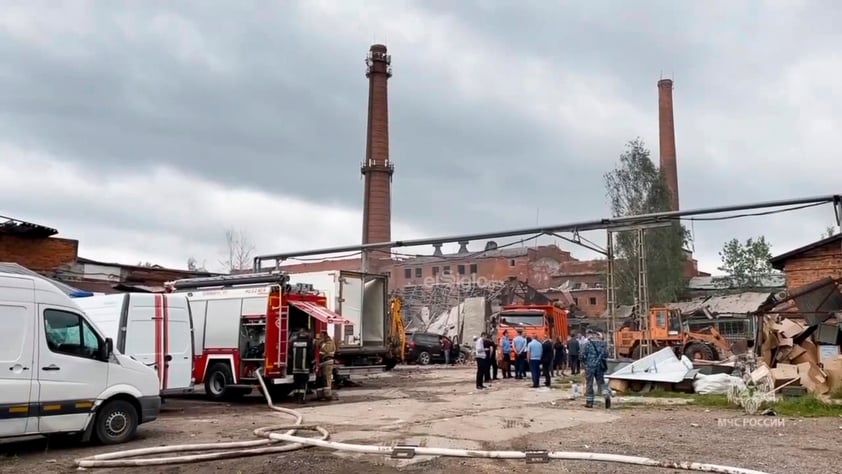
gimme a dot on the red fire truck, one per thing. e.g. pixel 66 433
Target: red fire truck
pixel 242 323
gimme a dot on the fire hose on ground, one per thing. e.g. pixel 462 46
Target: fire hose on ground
pixel 273 435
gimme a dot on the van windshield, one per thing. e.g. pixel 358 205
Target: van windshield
pixel 522 319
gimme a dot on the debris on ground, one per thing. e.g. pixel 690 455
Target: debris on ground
pixel 790 356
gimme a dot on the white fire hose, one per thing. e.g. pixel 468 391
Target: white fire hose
pixel 271 438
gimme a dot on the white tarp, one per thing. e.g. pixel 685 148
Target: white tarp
pixel 716 384
pixel 662 366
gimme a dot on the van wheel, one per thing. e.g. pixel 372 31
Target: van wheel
pixel 116 422
pixel 218 378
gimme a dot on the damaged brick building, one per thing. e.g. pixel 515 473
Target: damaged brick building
pixel 814 261
pixel 37 248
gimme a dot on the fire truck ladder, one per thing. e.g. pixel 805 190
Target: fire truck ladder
pixel 277 277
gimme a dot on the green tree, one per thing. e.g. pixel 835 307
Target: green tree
pixel 746 263
pixel 637 187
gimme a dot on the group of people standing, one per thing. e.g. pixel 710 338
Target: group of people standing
pixel 545 359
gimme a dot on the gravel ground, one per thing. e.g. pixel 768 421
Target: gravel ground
pixel 664 432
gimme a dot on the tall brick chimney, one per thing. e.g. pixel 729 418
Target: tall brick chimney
pixel 666 125
pixel 377 169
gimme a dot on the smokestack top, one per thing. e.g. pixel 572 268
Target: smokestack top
pixel 378 48
pixel 665 83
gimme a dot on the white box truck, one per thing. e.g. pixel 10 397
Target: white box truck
pixel 60 374
pixel 363 299
pixel 154 329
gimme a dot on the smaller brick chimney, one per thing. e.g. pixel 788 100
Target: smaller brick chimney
pixel 666 127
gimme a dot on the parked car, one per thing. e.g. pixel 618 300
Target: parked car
pixel 424 348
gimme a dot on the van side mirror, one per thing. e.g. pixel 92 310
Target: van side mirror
pixel 106 349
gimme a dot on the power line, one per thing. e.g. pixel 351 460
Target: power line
pixel 599 224
pixel 753 214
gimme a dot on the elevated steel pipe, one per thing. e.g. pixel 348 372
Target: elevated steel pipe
pixel 599 224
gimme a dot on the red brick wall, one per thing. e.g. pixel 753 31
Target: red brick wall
pixel 813 265
pixel 536 268
pixel 40 255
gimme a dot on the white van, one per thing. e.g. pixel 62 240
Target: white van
pixel 155 329
pixel 60 374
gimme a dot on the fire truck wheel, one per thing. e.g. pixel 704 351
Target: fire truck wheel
pixel 217 380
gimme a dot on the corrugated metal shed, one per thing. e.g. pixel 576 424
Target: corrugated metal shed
pixel 9 267
pixel 739 304
pixel 716 283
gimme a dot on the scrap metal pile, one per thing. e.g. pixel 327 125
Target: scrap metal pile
pixel 799 351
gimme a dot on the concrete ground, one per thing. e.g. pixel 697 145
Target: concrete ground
pixel 438 407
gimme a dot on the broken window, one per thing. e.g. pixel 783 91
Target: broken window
pixel 435 271
pixel 592 301
pixel 407 273
pixel 461 269
pixel 446 269
pixel 473 269
pixel 419 272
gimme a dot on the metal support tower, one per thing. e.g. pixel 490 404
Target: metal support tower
pixel 610 295
pixel 643 294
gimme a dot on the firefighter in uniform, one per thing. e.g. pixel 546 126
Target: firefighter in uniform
pixel 302 363
pixel 327 350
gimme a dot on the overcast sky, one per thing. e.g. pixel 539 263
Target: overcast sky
pixel 144 129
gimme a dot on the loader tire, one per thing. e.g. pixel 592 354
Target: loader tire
pixel 699 350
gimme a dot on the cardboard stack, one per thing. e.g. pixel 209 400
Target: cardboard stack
pixel 793 358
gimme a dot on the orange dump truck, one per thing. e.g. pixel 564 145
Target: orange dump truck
pixel 535 321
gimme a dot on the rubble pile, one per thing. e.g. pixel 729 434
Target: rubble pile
pixel 795 354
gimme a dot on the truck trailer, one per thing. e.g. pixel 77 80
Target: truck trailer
pixel 363 345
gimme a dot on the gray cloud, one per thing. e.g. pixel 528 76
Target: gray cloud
pixel 497 109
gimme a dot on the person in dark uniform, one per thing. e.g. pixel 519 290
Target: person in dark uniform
pixel 303 359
